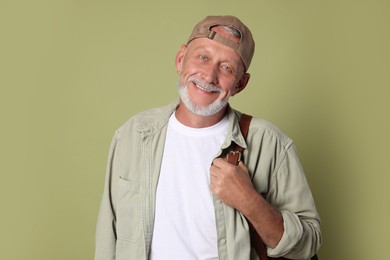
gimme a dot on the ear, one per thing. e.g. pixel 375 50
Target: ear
pixel 242 83
pixel 180 58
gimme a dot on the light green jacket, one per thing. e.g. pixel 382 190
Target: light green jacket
pixel 126 217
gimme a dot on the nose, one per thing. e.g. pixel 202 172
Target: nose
pixel 210 74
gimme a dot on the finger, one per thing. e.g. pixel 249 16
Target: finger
pixel 241 165
pixel 220 163
pixel 213 182
pixel 243 168
pixel 213 175
pixel 214 170
pixel 217 163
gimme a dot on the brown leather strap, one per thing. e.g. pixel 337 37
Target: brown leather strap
pixel 235 153
pixel 245 121
pixel 234 157
pixel 257 243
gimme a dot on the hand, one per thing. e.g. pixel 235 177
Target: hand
pixel 232 184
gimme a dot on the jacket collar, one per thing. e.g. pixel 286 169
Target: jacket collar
pixel 153 121
pixel 234 133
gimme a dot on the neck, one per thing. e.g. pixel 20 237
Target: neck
pixel 190 119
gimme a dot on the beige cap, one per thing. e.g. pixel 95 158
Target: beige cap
pixel 246 46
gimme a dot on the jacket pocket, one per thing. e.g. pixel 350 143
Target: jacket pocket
pixel 129 210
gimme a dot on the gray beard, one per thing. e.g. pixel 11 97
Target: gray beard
pixel 208 110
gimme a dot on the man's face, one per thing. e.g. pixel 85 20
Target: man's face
pixel 210 72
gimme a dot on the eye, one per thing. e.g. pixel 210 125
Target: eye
pixel 202 57
pixel 226 68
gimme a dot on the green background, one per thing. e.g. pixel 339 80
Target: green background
pixel 73 71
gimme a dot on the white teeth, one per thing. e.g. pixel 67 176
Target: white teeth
pixel 203 88
pixel 206 87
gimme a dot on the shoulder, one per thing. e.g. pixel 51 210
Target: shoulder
pixel 261 126
pixel 265 132
pixel 149 120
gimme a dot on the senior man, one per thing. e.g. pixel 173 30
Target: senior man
pixel 170 193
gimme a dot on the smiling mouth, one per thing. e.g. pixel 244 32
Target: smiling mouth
pixel 209 89
pixel 203 88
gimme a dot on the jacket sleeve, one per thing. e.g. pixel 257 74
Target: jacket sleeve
pixel 291 195
pixel 105 245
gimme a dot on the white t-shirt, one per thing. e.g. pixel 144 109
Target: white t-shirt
pixel 185 222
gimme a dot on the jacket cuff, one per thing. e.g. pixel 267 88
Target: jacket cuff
pixel 293 231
